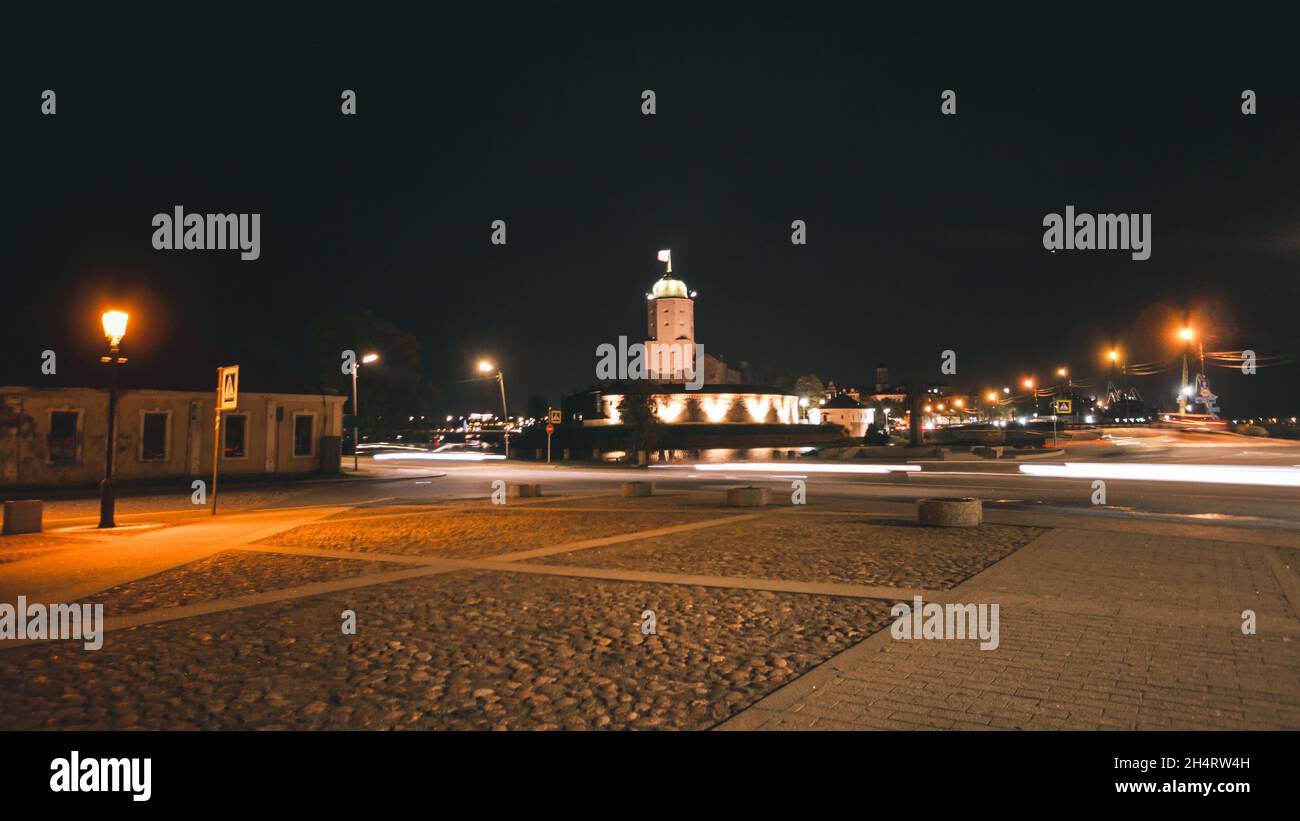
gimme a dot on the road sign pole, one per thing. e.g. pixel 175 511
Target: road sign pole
pixel 548 444
pixel 216 442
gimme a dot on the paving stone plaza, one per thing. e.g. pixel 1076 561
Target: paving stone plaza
pixel 594 611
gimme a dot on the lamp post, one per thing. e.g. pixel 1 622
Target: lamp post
pixel 1186 334
pixel 485 366
pixel 114 323
pixel 356 413
pixel 1115 362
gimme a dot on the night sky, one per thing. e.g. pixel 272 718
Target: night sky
pixel 924 231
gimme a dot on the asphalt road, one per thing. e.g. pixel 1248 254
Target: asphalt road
pixel 1215 494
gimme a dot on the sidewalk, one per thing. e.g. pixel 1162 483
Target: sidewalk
pixel 1099 630
pixel 99 562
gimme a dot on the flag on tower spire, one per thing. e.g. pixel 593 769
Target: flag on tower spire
pixel 666 255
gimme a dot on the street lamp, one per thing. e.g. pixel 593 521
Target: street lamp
pixel 485 366
pixel 114 323
pixel 356 413
pixel 1186 334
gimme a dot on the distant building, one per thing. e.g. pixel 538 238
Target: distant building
pixel 845 411
pixel 723 398
pixel 57 436
pixel 670 350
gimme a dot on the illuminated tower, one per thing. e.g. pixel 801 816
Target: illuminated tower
pixel 670 327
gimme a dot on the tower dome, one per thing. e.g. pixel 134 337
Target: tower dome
pixel 669 286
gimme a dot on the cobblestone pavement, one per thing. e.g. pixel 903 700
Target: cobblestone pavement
pixel 818 549
pixel 467 650
pixel 470 533
pixel 532 616
pixel 227 575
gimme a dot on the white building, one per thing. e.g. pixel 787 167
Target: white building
pixel 845 411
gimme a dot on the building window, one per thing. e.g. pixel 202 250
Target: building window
pixel 62 441
pixel 304 442
pixel 236 425
pixel 153 437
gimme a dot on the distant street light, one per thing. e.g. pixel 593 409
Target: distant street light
pixel 1184 390
pixel 356 412
pixel 114 323
pixel 484 366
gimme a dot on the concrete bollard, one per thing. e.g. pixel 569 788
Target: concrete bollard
pixel 638 488
pixel 566 454
pixel 746 496
pixel 949 512
pixel 23 516
pixel 520 490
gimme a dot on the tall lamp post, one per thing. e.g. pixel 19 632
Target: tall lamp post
pixel 356 413
pixel 485 366
pixel 114 323
pixel 1115 363
pixel 1186 334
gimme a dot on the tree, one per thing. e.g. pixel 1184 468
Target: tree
pixel 392 390
pixel 537 407
pixel 809 387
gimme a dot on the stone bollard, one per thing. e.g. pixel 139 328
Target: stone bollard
pixel 566 454
pixel 746 496
pixel 949 512
pixel 638 488
pixel 23 516
pixel 524 491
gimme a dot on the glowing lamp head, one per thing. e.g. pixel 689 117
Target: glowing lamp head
pixel 1114 356
pixel 370 357
pixel 959 402
pixel 993 396
pixel 114 325
pixel 1029 383
pixel 485 366
pixel 1186 334
pixel 1060 371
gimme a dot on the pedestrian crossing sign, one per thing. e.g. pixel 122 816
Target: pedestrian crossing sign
pixel 1064 406
pixel 228 387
